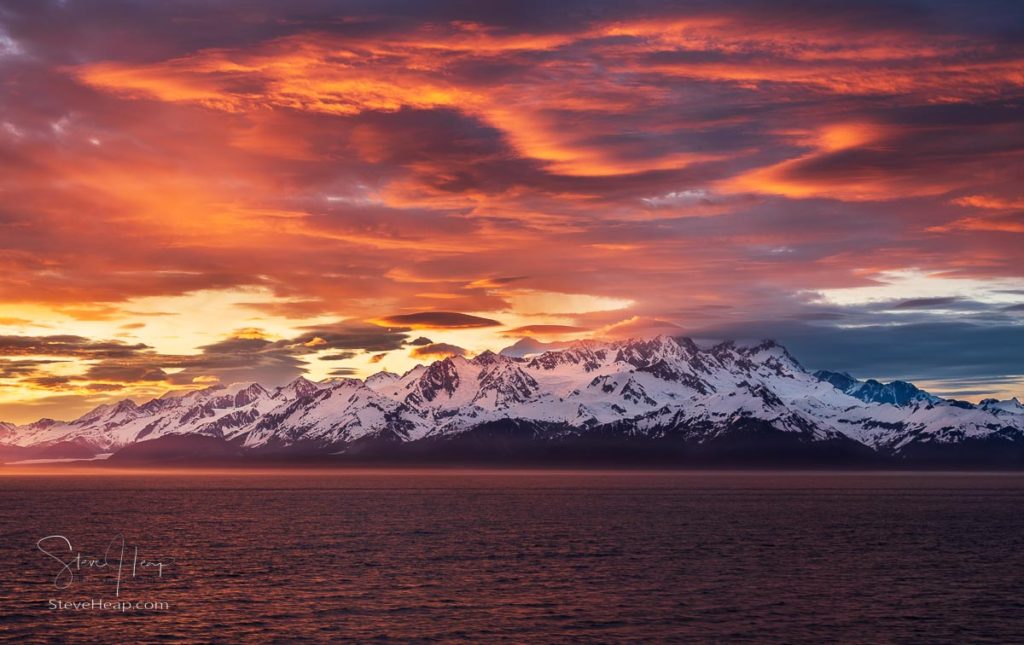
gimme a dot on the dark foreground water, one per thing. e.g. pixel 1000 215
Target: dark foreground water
pixel 516 557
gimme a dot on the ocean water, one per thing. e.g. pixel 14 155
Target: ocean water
pixel 513 557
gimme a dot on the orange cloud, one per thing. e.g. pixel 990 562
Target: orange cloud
pixel 845 153
pixel 545 330
pixel 639 327
pixel 989 202
pixel 437 350
pixel 996 224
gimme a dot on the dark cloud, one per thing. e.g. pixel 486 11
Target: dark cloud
pixel 926 303
pixel 349 336
pixel 10 369
pixel 49 382
pixel 104 387
pixel 440 320
pixel 544 330
pixel 66 345
pixel 918 351
pixel 235 360
pixel 499 281
pixel 417 342
pixel 819 315
pixel 125 373
pixel 341 356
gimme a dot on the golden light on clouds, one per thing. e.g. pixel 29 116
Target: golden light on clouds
pixel 191 204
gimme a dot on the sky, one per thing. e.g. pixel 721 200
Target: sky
pixel 194 193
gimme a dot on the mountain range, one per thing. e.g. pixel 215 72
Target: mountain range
pixel 663 400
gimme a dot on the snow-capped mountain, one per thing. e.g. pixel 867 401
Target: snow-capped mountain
pixel 898 393
pixel 1009 406
pixel 7 431
pixel 662 397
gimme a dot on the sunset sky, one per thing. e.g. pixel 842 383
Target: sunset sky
pixel 204 192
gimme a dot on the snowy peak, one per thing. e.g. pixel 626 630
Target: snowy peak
pixel 530 347
pixel 240 395
pixel 645 353
pixel 503 383
pixel 586 354
pixel 1009 406
pixel 110 413
pixel 898 393
pixel 842 381
pixel 487 358
pixel 772 355
pixel 381 380
pixel 297 389
pixel 441 379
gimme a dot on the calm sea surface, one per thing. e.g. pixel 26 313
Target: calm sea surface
pixel 507 556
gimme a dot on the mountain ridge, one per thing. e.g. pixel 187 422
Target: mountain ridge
pixel 633 396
